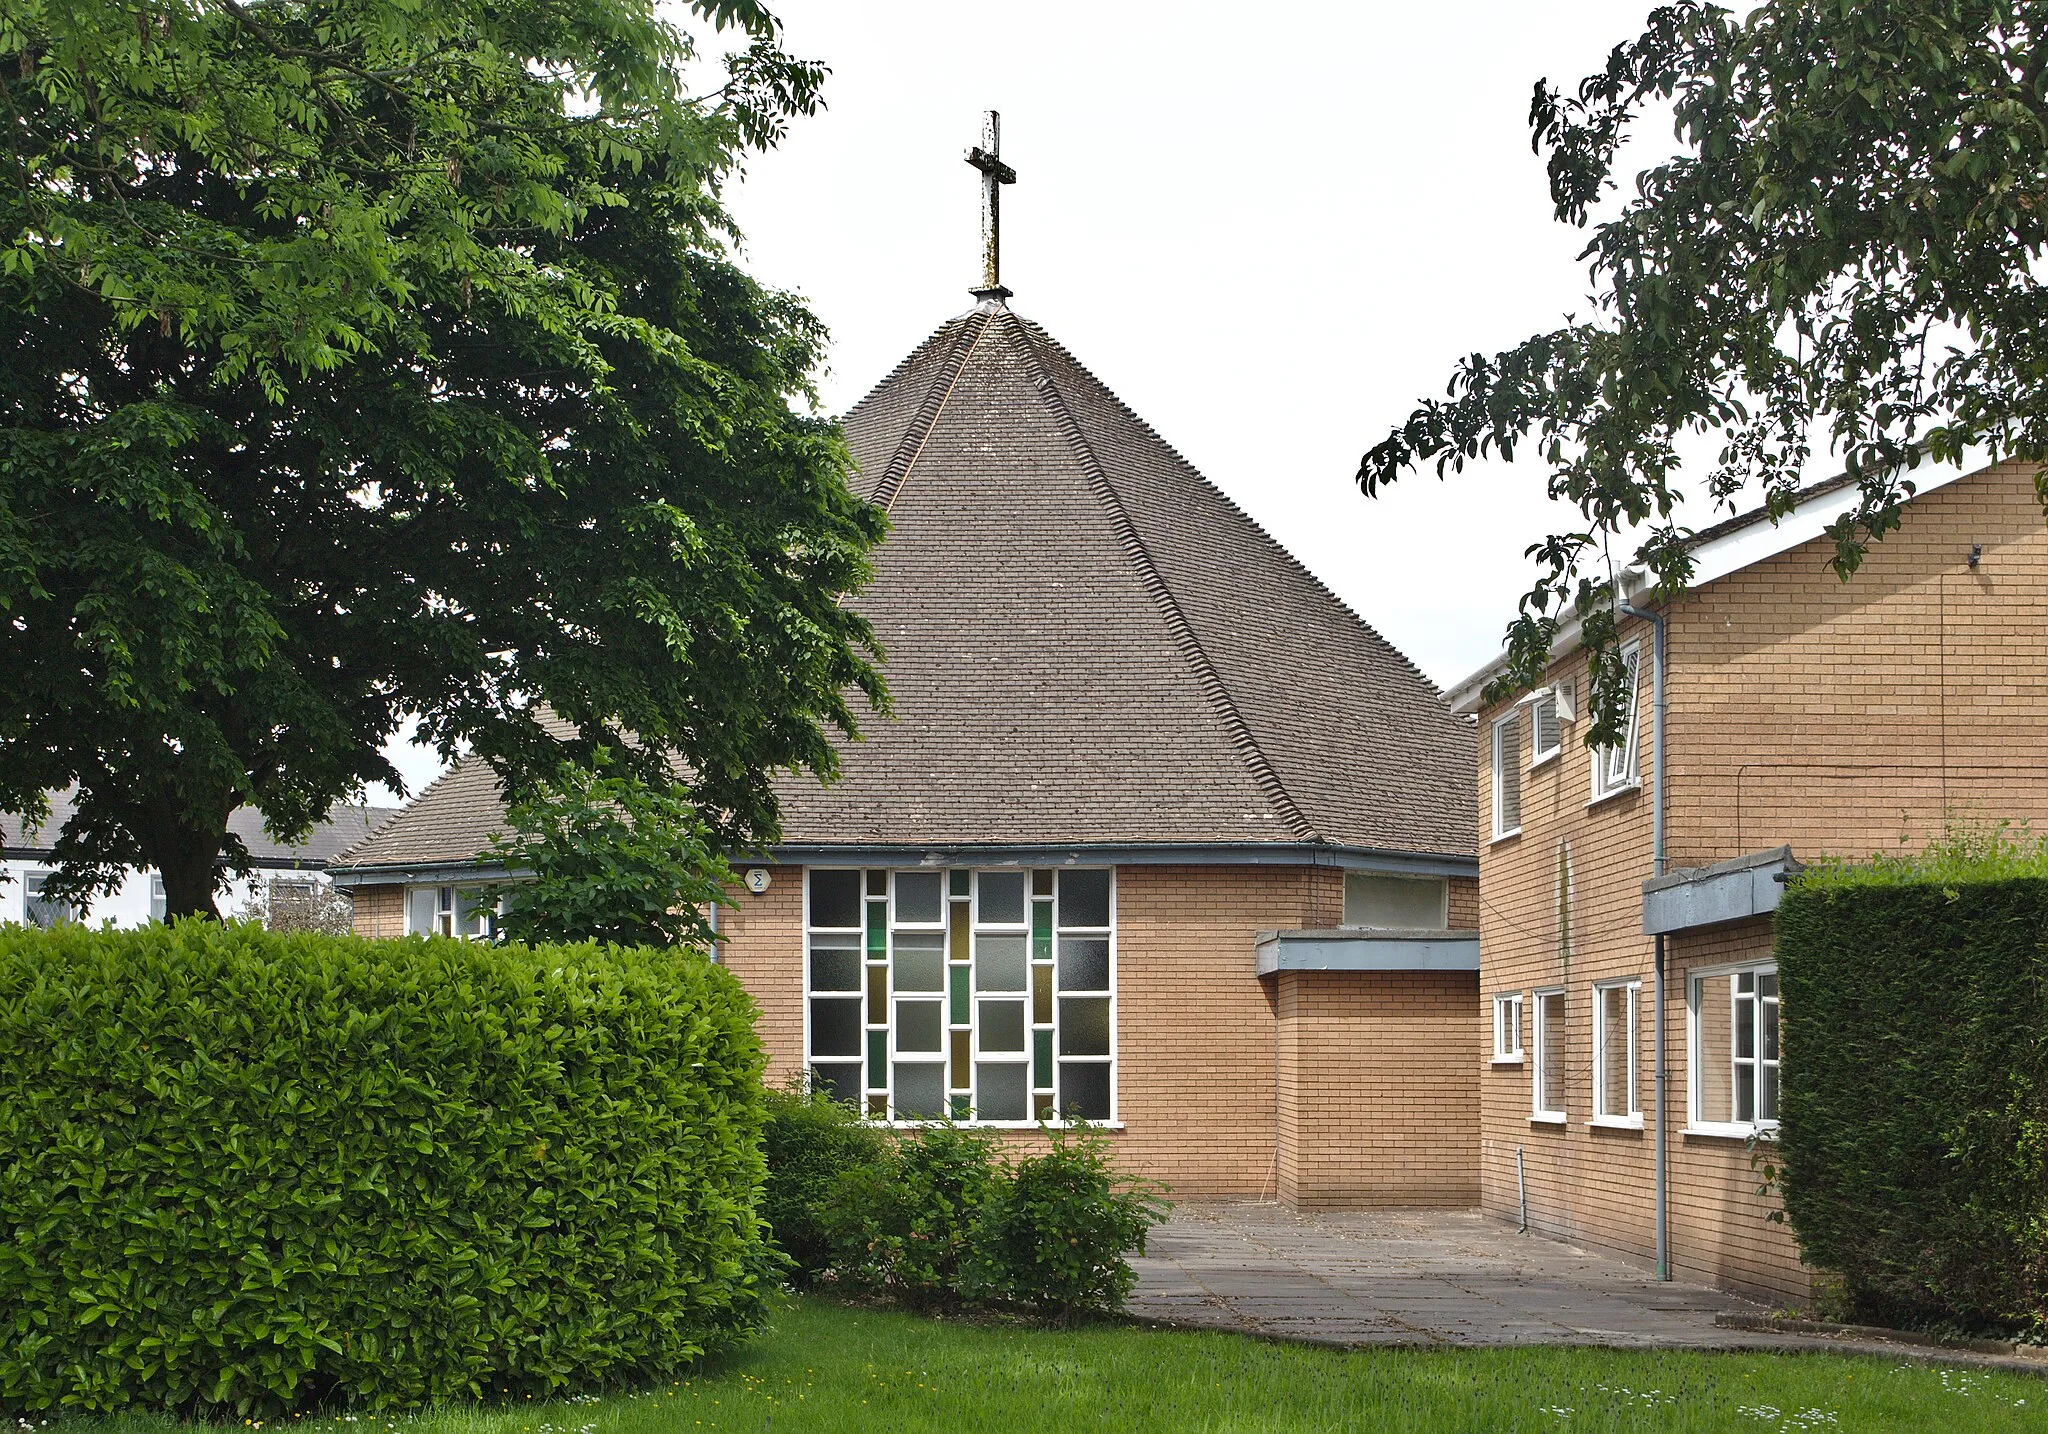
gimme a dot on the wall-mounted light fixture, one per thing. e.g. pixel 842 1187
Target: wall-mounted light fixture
pixel 1976 552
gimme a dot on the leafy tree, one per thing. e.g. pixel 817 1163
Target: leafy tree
pixel 608 856
pixel 369 357
pixel 1847 246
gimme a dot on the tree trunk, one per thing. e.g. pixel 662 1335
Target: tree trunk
pixel 184 847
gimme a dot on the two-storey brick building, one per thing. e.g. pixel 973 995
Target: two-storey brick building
pixel 1805 717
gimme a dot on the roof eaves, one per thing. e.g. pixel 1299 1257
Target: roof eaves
pixel 1185 638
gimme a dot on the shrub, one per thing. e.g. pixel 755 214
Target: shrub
pixel 1914 1139
pixel 1055 1234
pixel 257 1170
pixel 904 1226
pixel 811 1143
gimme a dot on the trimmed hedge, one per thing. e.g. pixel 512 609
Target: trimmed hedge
pixel 1914 1140
pixel 245 1169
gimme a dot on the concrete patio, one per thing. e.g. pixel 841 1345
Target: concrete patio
pixel 1424 1277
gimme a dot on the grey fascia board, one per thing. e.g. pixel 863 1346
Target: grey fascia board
pixel 420 874
pixel 1733 890
pixel 1350 950
pixel 1117 854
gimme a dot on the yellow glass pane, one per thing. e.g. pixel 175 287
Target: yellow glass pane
pixel 960 1055
pixel 878 994
pixel 1041 995
pixel 956 946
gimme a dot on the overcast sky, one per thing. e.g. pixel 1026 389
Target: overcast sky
pixel 1271 229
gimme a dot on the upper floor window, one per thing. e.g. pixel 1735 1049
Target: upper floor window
pixel 1507 775
pixel 977 995
pixel 1614 768
pixel 1734 1049
pixel 1507 1028
pixel 1396 902
pixel 1547 714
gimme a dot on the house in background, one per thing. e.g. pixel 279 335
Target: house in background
pixel 1160 833
pixel 25 861
pixel 1807 717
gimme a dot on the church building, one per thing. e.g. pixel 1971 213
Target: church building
pixel 1160 835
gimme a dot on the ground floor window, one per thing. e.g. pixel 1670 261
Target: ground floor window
pixel 1507 1027
pixel 40 909
pixel 450 911
pixel 1733 1048
pixel 1547 1084
pixel 1615 1024
pixel 986 996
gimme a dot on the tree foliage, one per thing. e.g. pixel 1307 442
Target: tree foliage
pixel 607 855
pixel 1845 249
pixel 370 357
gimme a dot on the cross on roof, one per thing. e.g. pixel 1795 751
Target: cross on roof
pixel 987 157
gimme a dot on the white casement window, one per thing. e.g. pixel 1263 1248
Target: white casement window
pixel 159 899
pixel 45 911
pixel 450 911
pixel 1733 1049
pixel 1507 775
pixel 983 996
pixel 1546 733
pixel 1507 1029
pixel 1396 902
pixel 1617 1020
pixel 1614 768
pixel 1546 1083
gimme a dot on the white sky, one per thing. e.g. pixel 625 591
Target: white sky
pixel 1271 229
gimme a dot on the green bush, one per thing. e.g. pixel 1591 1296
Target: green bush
pixel 1055 1234
pixel 1914 1140
pixel 905 1226
pixel 812 1142
pixel 255 1170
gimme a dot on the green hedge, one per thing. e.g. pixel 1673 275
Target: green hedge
pixel 245 1169
pixel 1914 1141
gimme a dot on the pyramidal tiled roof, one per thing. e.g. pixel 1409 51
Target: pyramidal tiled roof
pixel 1085 642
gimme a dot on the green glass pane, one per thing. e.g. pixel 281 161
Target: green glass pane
pixel 963 1107
pixel 1041 995
pixel 1041 1059
pixel 878 930
pixel 959 977
pixel 878 1059
pixel 1041 931
pixel 957 881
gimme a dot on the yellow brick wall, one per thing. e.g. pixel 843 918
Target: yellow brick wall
pixel 378 911
pixel 1838 717
pixel 1378 1104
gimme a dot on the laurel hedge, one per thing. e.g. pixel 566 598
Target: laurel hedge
pixel 262 1171
pixel 1914 1136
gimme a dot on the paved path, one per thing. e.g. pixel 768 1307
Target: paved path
pixel 1416 1277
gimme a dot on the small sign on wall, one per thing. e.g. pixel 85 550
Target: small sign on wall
pixel 757 879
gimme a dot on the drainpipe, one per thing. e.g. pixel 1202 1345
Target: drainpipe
pixel 1657 705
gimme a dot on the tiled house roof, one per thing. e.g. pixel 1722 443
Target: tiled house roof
pixel 1085 642
pixel 345 827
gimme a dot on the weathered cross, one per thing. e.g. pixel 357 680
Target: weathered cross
pixel 987 157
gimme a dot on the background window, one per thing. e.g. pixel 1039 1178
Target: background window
pixel 978 996
pixel 1507 775
pixel 1394 902
pixel 1615 1006
pixel 1614 768
pixel 1545 735
pixel 1548 1080
pixel 43 911
pixel 1507 1027
pixel 1734 1048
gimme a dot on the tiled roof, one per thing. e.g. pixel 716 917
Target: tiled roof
pixel 345 827
pixel 1085 642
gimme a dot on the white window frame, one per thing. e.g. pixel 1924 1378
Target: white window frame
pixel 1632 1118
pixel 1539 755
pixel 1506 767
pixel 977 928
pixel 1697 1123
pixel 1508 1020
pixel 447 902
pixel 1616 769
pixel 1538 1111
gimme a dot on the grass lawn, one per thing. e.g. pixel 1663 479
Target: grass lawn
pixel 832 1369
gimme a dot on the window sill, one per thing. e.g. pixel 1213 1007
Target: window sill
pixel 1001 1124
pixel 1499 837
pixel 1507 1060
pixel 1546 759
pixel 1616 1122
pixel 1628 789
pixel 1548 1117
pixel 1730 1132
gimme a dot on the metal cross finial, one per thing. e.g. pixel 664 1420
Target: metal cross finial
pixel 987 157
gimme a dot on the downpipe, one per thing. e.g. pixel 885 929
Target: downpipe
pixel 1663 1154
